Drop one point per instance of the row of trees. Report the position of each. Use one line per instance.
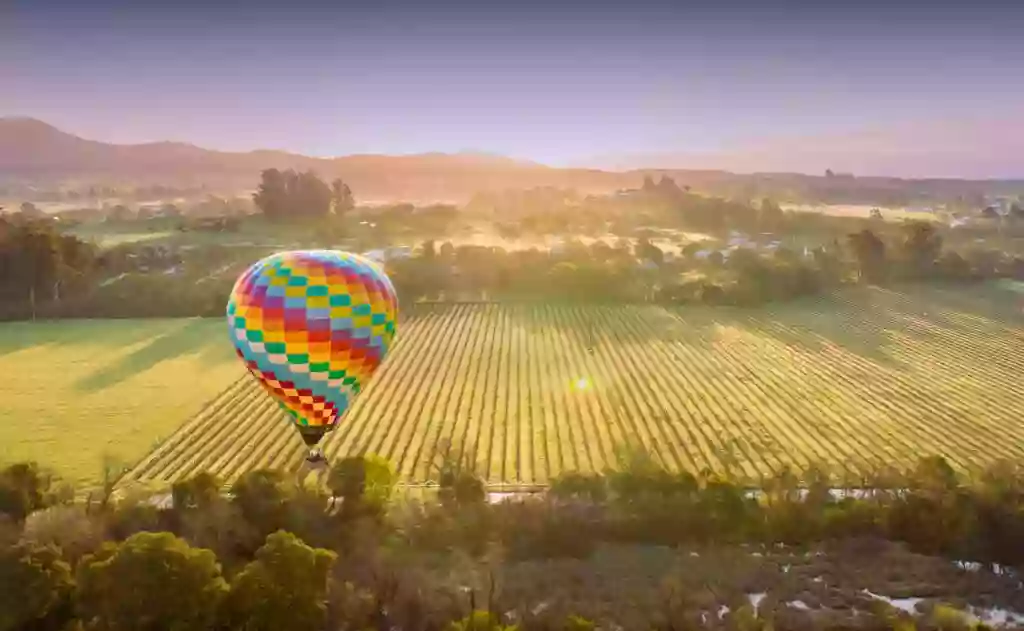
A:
(209, 561)
(642, 272)
(617, 273)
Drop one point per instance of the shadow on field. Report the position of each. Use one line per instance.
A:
(180, 341)
(852, 326)
(583, 326)
(16, 336)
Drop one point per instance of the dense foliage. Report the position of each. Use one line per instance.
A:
(284, 195)
(277, 555)
(672, 246)
(643, 272)
(40, 265)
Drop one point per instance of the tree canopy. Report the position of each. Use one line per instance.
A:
(285, 587)
(150, 582)
(292, 194)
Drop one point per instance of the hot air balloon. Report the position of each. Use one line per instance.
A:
(312, 327)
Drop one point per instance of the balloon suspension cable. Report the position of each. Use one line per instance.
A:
(314, 456)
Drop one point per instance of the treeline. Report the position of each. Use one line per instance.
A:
(49, 274)
(276, 555)
(40, 265)
(699, 273)
(46, 274)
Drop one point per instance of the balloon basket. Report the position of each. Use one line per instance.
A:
(314, 462)
(315, 455)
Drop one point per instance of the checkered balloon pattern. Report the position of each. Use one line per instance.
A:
(312, 327)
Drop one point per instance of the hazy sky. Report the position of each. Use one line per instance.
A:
(556, 82)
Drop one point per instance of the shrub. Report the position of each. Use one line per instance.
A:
(480, 621)
(24, 488)
(70, 528)
(534, 529)
(580, 486)
(35, 583)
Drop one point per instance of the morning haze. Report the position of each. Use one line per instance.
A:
(593, 85)
(455, 317)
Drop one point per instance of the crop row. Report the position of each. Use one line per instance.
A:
(872, 379)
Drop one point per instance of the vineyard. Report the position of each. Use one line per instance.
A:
(871, 379)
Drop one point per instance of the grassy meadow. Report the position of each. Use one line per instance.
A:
(73, 392)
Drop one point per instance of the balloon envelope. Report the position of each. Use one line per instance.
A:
(312, 327)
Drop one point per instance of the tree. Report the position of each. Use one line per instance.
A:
(271, 196)
(24, 488)
(285, 587)
(921, 246)
(262, 496)
(30, 212)
(36, 582)
(668, 187)
(36, 261)
(341, 197)
(770, 213)
(311, 196)
(953, 266)
(287, 193)
(869, 251)
(199, 491)
(645, 250)
(120, 212)
(362, 479)
(71, 528)
(149, 582)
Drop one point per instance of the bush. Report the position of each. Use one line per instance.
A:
(36, 583)
(24, 488)
(538, 530)
(70, 528)
(461, 489)
(480, 621)
(365, 482)
(135, 515)
(579, 486)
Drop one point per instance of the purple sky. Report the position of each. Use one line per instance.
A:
(548, 81)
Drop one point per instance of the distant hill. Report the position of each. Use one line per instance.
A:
(31, 148)
(978, 148)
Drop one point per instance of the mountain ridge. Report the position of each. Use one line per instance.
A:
(33, 150)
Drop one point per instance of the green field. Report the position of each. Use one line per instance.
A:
(868, 378)
(74, 392)
(860, 381)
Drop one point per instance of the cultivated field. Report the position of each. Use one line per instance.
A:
(869, 379)
(74, 392)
